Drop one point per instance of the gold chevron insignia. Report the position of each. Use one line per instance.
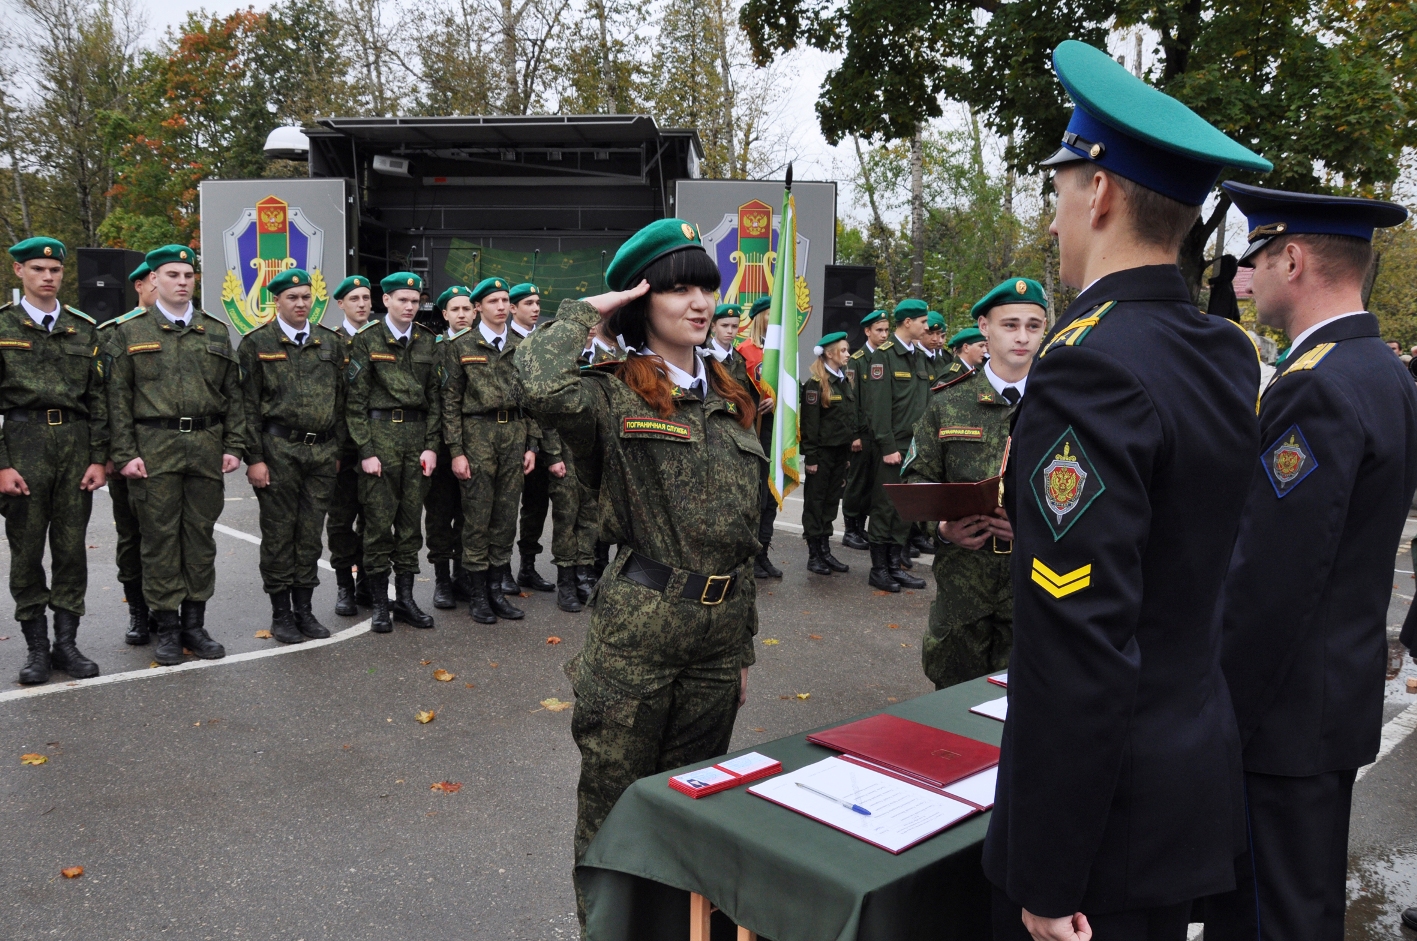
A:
(1060, 586)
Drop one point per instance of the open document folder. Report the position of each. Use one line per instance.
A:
(947, 502)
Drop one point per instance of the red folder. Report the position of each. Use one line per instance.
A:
(933, 755)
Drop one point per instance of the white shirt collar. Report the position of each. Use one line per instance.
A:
(927, 351)
(350, 328)
(999, 384)
(834, 371)
(518, 327)
(489, 335)
(698, 382)
(38, 315)
(389, 322)
(185, 315)
(869, 347)
(291, 331)
(719, 353)
(908, 347)
(1322, 323)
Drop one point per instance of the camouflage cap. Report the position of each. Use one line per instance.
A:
(40, 246)
(287, 279)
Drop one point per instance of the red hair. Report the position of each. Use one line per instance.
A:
(650, 381)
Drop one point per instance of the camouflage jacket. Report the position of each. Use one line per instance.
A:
(60, 368)
(894, 389)
(300, 387)
(477, 378)
(840, 422)
(348, 452)
(962, 434)
(161, 372)
(383, 373)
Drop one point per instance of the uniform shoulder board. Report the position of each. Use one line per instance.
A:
(1310, 359)
(960, 374)
(80, 314)
(859, 353)
(135, 312)
(373, 321)
(607, 368)
(6, 306)
(459, 333)
(213, 317)
(324, 326)
(886, 345)
(1074, 333)
(439, 338)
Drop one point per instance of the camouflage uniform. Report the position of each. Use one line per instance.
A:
(56, 425)
(657, 681)
(392, 414)
(344, 525)
(894, 391)
(960, 438)
(128, 552)
(295, 425)
(558, 495)
(442, 506)
(826, 436)
(176, 403)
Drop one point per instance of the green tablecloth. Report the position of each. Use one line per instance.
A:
(780, 874)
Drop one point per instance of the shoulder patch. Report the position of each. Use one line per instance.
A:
(383, 358)
(459, 333)
(1060, 585)
(324, 326)
(1065, 483)
(1288, 461)
(152, 347)
(961, 433)
(878, 371)
(1310, 359)
(135, 312)
(373, 322)
(1074, 333)
(15, 345)
(810, 397)
(80, 314)
(961, 374)
(655, 426)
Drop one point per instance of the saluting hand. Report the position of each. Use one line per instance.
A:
(1075, 928)
(611, 301)
(96, 476)
(12, 484)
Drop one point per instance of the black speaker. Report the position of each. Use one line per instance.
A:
(850, 295)
(104, 291)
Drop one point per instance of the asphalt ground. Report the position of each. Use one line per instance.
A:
(290, 796)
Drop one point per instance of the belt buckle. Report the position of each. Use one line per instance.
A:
(504, 415)
(997, 542)
(184, 425)
(310, 437)
(724, 580)
(396, 416)
(55, 416)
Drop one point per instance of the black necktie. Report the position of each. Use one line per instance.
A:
(300, 338)
(47, 322)
(497, 344)
(179, 324)
(403, 341)
(1011, 394)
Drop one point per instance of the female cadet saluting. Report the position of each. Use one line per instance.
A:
(832, 430)
(665, 664)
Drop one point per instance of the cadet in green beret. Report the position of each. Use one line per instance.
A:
(969, 348)
(490, 438)
(355, 299)
(833, 432)
(442, 507)
(937, 361)
(395, 423)
(178, 425)
(751, 350)
(53, 446)
(856, 502)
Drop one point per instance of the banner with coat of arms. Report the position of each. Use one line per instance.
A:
(266, 239)
(745, 245)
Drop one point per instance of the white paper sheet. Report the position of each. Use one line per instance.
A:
(994, 708)
(1001, 678)
(977, 788)
(901, 814)
(747, 764)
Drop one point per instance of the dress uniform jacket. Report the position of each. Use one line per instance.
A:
(895, 386)
(1120, 781)
(1305, 642)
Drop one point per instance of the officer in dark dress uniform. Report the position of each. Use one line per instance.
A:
(1119, 792)
(1306, 599)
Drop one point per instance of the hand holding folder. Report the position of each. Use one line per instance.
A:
(947, 502)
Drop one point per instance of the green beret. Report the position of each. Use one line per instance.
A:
(401, 281)
(909, 309)
(727, 310)
(760, 305)
(1012, 291)
(829, 339)
(457, 290)
(287, 279)
(38, 247)
(142, 271)
(521, 292)
(489, 286)
(648, 245)
(170, 255)
(936, 320)
(349, 284)
(967, 335)
(872, 317)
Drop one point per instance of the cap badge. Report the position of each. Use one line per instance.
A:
(688, 230)
(1021, 286)
(295, 279)
(48, 251)
(182, 255)
(1096, 151)
(410, 282)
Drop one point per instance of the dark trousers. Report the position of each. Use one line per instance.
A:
(1166, 923)
(823, 490)
(1291, 884)
(856, 501)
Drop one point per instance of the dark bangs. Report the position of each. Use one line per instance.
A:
(691, 267)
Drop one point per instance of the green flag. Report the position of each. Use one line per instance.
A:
(780, 356)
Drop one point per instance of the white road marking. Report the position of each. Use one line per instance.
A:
(1397, 729)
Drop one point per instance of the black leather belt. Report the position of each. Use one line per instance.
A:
(398, 415)
(500, 415)
(295, 435)
(705, 589)
(49, 416)
(183, 425)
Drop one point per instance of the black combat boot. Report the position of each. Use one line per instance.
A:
(364, 592)
(138, 634)
(922, 544)
(404, 608)
(855, 535)
(585, 582)
(66, 655)
(567, 592)
(37, 667)
(880, 577)
(908, 552)
(283, 626)
(824, 548)
(477, 607)
(345, 605)
(509, 584)
(305, 619)
(497, 597)
(194, 632)
(167, 625)
(462, 583)
(815, 565)
(443, 585)
(528, 577)
(762, 565)
(897, 560)
(380, 623)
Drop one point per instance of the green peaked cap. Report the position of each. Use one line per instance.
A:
(1012, 291)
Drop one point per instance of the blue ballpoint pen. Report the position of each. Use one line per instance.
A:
(845, 803)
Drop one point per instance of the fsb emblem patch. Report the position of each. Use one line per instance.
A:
(878, 371)
(1288, 461)
(1065, 483)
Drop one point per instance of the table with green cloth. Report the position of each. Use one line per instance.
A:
(783, 875)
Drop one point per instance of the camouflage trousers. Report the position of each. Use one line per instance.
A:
(52, 460)
(823, 490)
(125, 521)
(972, 618)
(856, 501)
(293, 508)
(886, 526)
(177, 514)
(392, 502)
(442, 513)
(345, 524)
(490, 496)
(562, 497)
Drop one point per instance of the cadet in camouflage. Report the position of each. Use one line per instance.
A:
(442, 505)
(344, 524)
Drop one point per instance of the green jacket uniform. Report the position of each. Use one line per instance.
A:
(177, 404)
(657, 681)
(295, 408)
(393, 414)
(856, 502)
(894, 388)
(961, 437)
(345, 538)
(56, 425)
(128, 550)
(826, 436)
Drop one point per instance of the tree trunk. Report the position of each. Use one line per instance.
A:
(1010, 223)
(917, 215)
(512, 105)
(878, 225)
(607, 80)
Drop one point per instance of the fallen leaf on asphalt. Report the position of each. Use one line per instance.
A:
(804, 695)
(196, 723)
(880, 594)
(892, 699)
(33, 758)
(425, 716)
(553, 641)
(770, 642)
(492, 663)
(814, 636)
(263, 634)
(443, 676)
(905, 645)
(425, 662)
(555, 705)
(759, 730)
(73, 872)
(470, 686)
(894, 627)
(784, 697)
(447, 787)
(93, 547)
(4, 638)
(153, 664)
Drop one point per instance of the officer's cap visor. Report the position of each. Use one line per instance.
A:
(1063, 156)
(1252, 251)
